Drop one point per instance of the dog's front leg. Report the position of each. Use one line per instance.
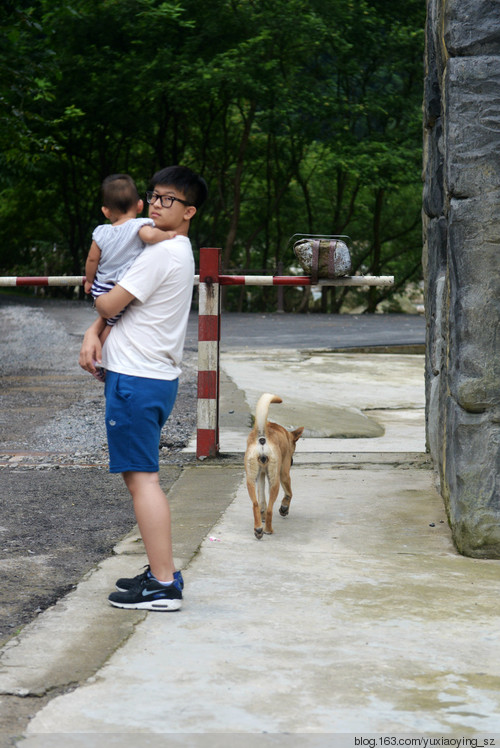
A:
(257, 518)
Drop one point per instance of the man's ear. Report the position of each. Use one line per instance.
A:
(189, 212)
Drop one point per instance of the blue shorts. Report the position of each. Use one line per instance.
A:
(136, 410)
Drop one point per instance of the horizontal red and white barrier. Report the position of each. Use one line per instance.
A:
(223, 280)
(305, 280)
(43, 280)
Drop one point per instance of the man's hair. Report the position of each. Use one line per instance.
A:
(119, 193)
(193, 187)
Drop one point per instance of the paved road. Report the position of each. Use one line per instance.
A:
(270, 330)
(321, 330)
(357, 617)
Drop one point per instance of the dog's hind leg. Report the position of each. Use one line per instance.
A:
(257, 519)
(285, 505)
(286, 466)
(274, 488)
(287, 488)
(261, 493)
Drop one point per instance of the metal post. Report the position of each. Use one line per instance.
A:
(207, 435)
(281, 300)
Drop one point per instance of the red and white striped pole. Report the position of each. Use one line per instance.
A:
(207, 435)
(43, 280)
(305, 280)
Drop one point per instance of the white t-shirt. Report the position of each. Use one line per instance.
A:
(119, 246)
(148, 340)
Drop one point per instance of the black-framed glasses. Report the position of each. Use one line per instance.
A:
(166, 200)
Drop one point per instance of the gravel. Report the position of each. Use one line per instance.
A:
(49, 405)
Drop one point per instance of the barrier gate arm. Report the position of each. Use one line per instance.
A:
(42, 280)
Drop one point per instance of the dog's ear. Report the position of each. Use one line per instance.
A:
(297, 433)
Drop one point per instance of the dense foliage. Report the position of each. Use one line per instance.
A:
(302, 115)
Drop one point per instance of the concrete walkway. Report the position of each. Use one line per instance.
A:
(356, 617)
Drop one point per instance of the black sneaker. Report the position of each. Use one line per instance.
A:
(149, 595)
(129, 583)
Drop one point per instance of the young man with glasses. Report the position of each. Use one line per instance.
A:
(142, 357)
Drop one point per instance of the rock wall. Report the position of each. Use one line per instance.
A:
(461, 210)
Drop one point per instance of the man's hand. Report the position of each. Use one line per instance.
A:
(91, 350)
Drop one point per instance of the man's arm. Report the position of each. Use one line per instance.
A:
(91, 349)
(111, 303)
(152, 235)
(93, 258)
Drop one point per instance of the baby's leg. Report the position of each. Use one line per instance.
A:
(100, 372)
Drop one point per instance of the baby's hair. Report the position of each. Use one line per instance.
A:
(191, 185)
(119, 193)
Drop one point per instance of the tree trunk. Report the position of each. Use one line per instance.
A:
(235, 217)
(373, 298)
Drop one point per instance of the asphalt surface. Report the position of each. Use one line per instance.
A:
(321, 331)
(318, 331)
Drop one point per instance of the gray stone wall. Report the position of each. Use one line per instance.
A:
(461, 217)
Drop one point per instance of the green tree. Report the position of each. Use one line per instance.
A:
(302, 116)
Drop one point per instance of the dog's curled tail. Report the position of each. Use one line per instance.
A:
(262, 409)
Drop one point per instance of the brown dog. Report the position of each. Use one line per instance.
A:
(269, 453)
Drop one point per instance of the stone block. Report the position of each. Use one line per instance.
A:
(433, 192)
(435, 252)
(472, 126)
(474, 261)
(436, 390)
(432, 85)
(472, 27)
(436, 54)
(473, 466)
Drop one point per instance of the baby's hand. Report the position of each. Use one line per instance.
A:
(87, 287)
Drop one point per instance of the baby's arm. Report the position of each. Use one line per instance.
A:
(152, 235)
(93, 258)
